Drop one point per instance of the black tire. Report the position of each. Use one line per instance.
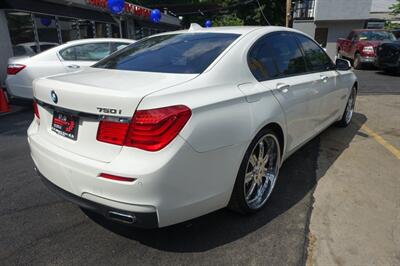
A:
(357, 62)
(238, 201)
(345, 121)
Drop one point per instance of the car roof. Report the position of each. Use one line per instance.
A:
(34, 43)
(241, 30)
(359, 30)
(93, 40)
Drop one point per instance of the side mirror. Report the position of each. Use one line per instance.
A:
(342, 64)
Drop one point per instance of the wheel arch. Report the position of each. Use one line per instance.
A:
(279, 133)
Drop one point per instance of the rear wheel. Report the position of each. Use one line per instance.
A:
(257, 174)
(348, 112)
(357, 61)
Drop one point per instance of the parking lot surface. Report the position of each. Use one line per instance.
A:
(342, 166)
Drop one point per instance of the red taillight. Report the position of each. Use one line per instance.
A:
(149, 130)
(36, 109)
(117, 178)
(13, 69)
(154, 129)
(112, 132)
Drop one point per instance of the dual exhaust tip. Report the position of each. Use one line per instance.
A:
(121, 217)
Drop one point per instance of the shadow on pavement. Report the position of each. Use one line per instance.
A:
(390, 74)
(17, 121)
(297, 179)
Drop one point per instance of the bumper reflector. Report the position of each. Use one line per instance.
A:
(117, 178)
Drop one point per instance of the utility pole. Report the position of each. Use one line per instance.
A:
(288, 11)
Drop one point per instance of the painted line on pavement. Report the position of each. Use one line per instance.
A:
(381, 140)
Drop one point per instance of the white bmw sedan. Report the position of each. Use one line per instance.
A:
(69, 57)
(181, 124)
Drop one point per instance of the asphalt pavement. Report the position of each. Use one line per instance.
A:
(38, 227)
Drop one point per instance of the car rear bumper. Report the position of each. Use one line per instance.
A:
(137, 219)
(177, 183)
(367, 59)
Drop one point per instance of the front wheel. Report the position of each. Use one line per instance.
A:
(257, 174)
(348, 112)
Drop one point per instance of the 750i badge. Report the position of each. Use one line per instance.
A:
(104, 110)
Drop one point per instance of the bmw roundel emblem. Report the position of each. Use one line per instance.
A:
(54, 96)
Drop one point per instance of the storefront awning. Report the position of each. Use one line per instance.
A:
(56, 10)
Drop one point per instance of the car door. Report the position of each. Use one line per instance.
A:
(84, 55)
(278, 63)
(319, 62)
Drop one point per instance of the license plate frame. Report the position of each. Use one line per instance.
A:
(65, 124)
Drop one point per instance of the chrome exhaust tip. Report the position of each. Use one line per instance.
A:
(122, 217)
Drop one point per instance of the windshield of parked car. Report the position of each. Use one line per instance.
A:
(173, 53)
(376, 36)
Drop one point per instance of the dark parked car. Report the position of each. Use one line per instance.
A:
(396, 33)
(388, 57)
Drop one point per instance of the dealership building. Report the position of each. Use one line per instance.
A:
(328, 20)
(37, 22)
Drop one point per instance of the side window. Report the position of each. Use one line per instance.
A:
(316, 58)
(287, 54)
(115, 46)
(92, 51)
(351, 35)
(261, 62)
(87, 52)
(68, 54)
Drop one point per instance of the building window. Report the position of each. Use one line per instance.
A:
(47, 29)
(69, 29)
(101, 30)
(86, 29)
(22, 36)
(321, 36)
(304, 9)
(114, 31)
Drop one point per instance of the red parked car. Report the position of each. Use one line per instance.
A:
(360, 46)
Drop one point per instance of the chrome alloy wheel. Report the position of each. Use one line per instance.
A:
(350, 106)
(262, 171)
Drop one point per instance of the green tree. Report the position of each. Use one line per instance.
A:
(395, 8)
(229, 12)
(228, 20)
(255, 12)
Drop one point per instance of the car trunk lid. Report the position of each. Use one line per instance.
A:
(92, 95)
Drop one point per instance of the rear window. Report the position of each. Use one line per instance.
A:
(376, 36)
(173, 53)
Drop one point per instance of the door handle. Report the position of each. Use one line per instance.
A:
(283, 87)
(324, 78)
(73, 66)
